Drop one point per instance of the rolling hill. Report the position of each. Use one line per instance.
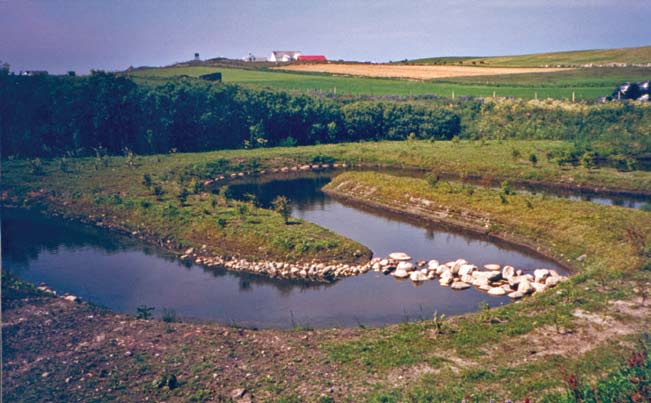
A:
(599, 57)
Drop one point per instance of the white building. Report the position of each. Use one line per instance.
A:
(284, 56)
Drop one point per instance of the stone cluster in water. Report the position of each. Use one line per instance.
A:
(460, 275)
(307, 271)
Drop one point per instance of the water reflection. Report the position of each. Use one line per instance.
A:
(123, 273)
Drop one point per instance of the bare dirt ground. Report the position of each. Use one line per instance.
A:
(412, 72)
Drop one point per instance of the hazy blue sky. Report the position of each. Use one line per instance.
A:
(60, 35)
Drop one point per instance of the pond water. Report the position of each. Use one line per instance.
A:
(122, 273)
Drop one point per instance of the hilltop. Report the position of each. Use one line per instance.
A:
(575, 58)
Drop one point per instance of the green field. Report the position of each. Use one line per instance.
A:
(641, 55)
(585, 83)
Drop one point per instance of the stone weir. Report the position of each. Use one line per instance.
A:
(313, 271)
(459, 274)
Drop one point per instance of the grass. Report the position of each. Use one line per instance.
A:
(486, 343)
(639, 55)
(496, 353)
(116, 195)
(585, 83)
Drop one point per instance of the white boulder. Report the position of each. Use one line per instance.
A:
(417, 276)
(399, 273)
(467, 269)
(459, 285)
(497, 291)
(492, 267)
(406, 266)
(399, 256)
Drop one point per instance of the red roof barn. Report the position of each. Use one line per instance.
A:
(312, 58)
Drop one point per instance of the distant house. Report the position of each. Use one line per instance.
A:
(284, 56)
(312, 58)
(34, 73)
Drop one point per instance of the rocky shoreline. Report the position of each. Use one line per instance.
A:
(459, 274)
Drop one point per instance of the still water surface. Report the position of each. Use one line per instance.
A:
(122, 274)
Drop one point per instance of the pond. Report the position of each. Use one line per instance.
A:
(122, 273)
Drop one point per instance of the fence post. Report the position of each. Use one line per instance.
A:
(573, 97)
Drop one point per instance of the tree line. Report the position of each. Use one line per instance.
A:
(54, 115)
(47, 116)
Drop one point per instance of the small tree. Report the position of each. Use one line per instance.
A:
(533, 159)
(146, 180)
(282, 207)
(183, 196)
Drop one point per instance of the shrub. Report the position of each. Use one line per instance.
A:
(533, 159)
(506, 188)
(515, 153)
(433, 179)
(221, 222)
(158, 191)
(36, 166)
(282, 207)
(169, 315)
(144, 312)
(146, 180)
(183, 196)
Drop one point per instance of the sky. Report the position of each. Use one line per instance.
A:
(80, 35)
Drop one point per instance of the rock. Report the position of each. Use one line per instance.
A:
(377, 267)
(467, 278)
(497, 291)
(581, 258)
(459, 285)
(457, 265)
(442, 269)
(508, 272)
(540, 275)
(384, 262)
(492, 267)
(405, 266)
(433, 264)
(400, 256)
(238, 393)
(189, 251)
(537, 287)
(525, 286)
(479, 281)
(400, 273)
(446, 279)
(467, 269)
(417, 276)
(552, 281)
(72, 298)
(488, 275)
(516, 295)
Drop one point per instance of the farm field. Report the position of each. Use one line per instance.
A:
(411, 72)
(586, 83)
(639, 55)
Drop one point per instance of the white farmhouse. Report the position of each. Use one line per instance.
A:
(284, 56)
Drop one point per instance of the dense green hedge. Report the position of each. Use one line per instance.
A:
(47, 115)
(53, 115)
